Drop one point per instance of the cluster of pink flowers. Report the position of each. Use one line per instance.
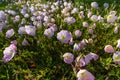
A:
(43, 16)
(80, 62)
(116, 55)
(9, 52)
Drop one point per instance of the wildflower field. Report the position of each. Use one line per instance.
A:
(60, 40)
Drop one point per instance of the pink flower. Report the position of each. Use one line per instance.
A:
(25, 42)
(30, 30)
(90, 31)
(88, 58)
(91, 56)
(83, 43)
(9, 52)
(49, 32)
(10, 33)
(80, 61)
(68, 58)
(83, 74)
(109, 49)
(69, 20)
(94, 4)
(78, 33)
(64, 36)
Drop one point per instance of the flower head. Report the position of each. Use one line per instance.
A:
(80, 61)
(2, 15)
(94, 4)
(88, 58)
(69, 20)
(10, 33)
(21, 30)
(75, 10)
(25, 42)
(49, 32)
(94, 18)
(109, 49)
(111, 18)
(94, 56)
(83, 74)
(83, 43)
(100, 18)
(106, 5)
(2, 25)
(64, 36)
(116, 57)
(30, 30)
(9, 53)
(68, 58)
(81, 15)
(85, 24)
(78, 33)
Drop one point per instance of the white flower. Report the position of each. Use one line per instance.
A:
(111, 18)
(10, 33)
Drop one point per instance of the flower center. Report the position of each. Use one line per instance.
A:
(63, 37)
(116, 58)
(110, 16)
(67, 57)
